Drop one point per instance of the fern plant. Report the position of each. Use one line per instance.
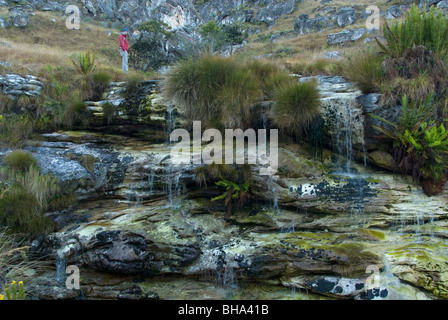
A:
(233, 192)
(427, 28)
(420, 145)
(85, 63)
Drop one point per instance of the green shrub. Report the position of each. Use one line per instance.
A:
(213, 172)
(234, 192)
(20, 160)
(427, 28)
(364, 69)
(420, 145)
(295, 106)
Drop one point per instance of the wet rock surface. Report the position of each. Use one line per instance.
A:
(319, 229)
(155, 226)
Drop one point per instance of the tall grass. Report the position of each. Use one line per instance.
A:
(25, 195)
(270, 74)
(239, 94)
(15, 129)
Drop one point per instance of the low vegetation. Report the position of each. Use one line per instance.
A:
(26, 194)
(223, 93)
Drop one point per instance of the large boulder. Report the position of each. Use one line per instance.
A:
(304, 24)
(274, 10)
(345, 16)
(19, 17)
(345, 36)
(393, 12)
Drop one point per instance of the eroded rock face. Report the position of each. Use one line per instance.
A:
(321, 225)
(153, 221)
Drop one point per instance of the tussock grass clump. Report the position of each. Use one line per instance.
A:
(318, 67)
(270, 74)
(365, 70)
(19, 160)
(15, 129)
(197, 85)
(221, 92)
(240, 92)
(18, 211)
(24, 199)
(296, 104)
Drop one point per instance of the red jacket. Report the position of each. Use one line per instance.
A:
(124, 43)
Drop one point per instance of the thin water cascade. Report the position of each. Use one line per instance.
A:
(151, 177)
(274, 202)
(173, 185)
(170, 122)
(61, 265)
(345, 124)
(344, 136)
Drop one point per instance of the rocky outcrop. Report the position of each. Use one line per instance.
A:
(274, 10)
(345, 36)
(345, 16)
(14, 86)
(155, 224)
(304, 24)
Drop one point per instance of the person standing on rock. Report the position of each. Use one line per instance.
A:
(124, 48)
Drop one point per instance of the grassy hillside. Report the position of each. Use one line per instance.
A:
(47, 41)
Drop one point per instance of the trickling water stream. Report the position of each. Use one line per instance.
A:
(183, 238)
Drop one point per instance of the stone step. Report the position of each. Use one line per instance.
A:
(95, 109)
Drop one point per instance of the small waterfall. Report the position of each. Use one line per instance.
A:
(61, 265)
(265, 121)
(173, 186)
(289, 229)
(151, 177)
(344, 122)
(272, 188)
(344, 136)
(415, 221)
(170, 122)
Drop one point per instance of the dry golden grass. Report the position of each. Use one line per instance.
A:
(308, 49)
(45, 42)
